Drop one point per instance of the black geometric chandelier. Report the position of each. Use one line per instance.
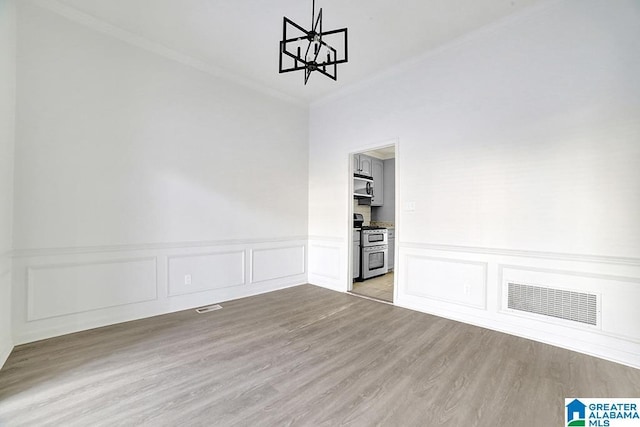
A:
(313, 50)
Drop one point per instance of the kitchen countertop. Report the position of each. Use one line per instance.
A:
(385, 224)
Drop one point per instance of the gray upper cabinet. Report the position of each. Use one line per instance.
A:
(362, 164)
(377, 172)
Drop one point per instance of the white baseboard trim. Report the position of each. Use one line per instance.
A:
(327, 263)
(327, 283)
(425, 284)
(86, 321)
(65, 291)
(5, 352)
(611, 349)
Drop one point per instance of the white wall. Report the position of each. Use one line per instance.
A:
(519, 146)
(7, 130)
(133, 170)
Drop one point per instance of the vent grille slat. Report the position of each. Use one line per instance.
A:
(569, 305)
(208, 308)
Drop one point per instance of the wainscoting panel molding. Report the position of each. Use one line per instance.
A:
(327, 263)
(470, 285)
(277, 263)
(57, 292)
(197, 273)
(447, 279)
(618, 297)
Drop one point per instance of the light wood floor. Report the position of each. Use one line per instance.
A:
(380, 287)
(300, 356)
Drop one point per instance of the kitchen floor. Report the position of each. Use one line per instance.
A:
(380, 287)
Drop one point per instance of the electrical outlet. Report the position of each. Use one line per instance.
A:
(187, 279)
(467, 289)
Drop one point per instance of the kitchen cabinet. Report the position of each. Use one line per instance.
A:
(391, 243)
(377, 172)
(362, 164)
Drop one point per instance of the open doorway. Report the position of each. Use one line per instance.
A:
(373, 213)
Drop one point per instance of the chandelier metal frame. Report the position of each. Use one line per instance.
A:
(319, 55)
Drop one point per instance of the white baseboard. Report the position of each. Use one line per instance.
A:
(592, 344)
(5, 352)
(470, 286)
(327, 283)
(61, 292)
(327, 263)
(91, 320)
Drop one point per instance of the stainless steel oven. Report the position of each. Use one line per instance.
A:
(374, 252)
(374, 236)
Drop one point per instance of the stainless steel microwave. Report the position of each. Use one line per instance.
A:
(362, 188)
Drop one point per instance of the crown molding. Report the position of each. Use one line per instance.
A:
(397, 70)
(144, 43)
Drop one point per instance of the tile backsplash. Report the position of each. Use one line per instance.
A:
(365, 210)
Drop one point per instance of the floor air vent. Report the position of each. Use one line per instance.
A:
(208, 308)
(575, 306)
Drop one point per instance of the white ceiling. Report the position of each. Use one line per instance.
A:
(241, 36)
(383, 153)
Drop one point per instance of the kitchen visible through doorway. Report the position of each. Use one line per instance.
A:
(380, 287)
(373, 221)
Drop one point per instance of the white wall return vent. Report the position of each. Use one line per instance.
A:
(578, 307)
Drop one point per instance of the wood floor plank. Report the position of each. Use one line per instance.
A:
(299, 356)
